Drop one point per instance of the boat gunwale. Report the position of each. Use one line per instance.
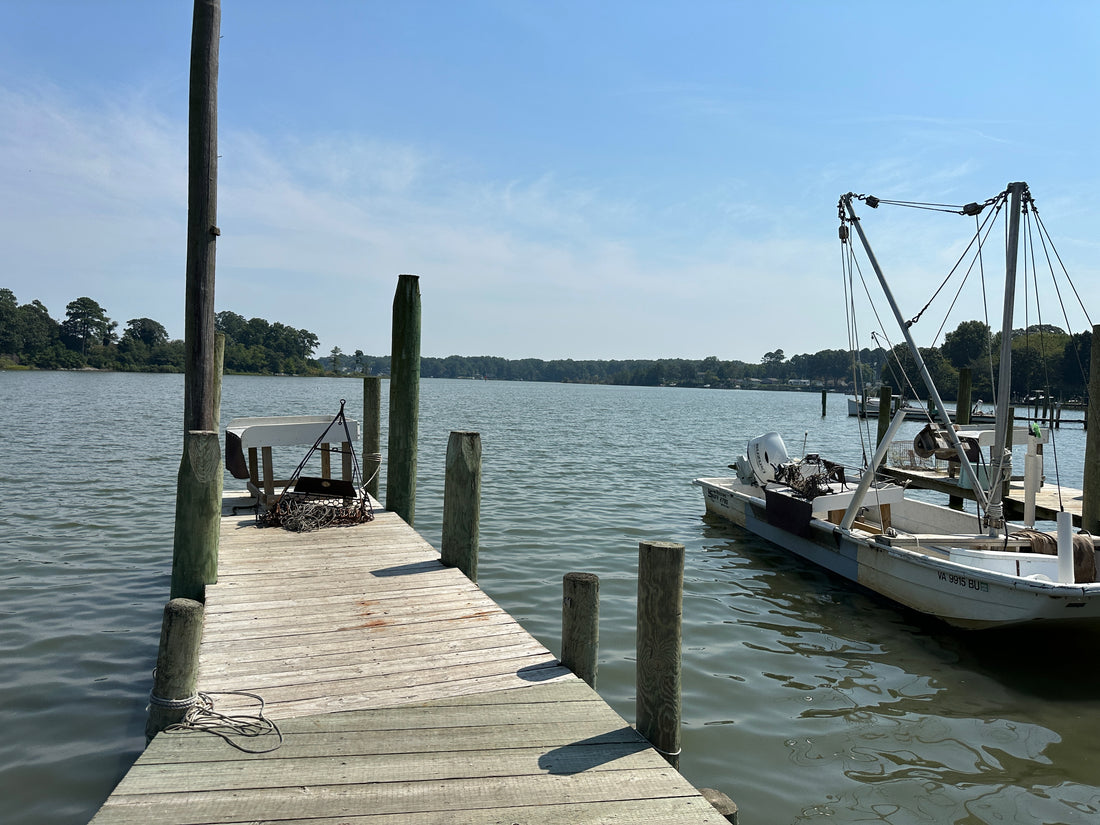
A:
(922, 555)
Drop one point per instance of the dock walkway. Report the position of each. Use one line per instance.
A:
(1049, 499)
(403, 694)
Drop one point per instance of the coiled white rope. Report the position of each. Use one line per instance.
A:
(202, 718)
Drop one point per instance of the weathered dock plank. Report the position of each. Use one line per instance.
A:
(552, 754)
(403, 694)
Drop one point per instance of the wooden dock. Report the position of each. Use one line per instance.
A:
(403, 694)
(1049, 499)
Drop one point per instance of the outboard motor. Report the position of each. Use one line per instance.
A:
(766, 453)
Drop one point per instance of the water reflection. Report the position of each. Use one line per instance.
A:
(897, 717)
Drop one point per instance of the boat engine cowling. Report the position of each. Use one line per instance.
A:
(765, 453)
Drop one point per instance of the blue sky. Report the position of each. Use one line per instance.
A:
(568, 179)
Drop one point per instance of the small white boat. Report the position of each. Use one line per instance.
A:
(869, 407)
(972, 570)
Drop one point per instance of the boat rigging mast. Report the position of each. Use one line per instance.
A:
(990, 501)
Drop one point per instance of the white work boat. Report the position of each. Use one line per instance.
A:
(972, 570)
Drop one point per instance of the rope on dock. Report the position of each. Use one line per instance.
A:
(174, 704)
(202, 718)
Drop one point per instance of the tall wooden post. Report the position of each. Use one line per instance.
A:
(202, 219)
(962, 405)
(1090, 503)
(372, 431)
(404, 399)
(824, 402)
(198, 516)
(660, 612)
(580, 624)
(885, 401)
(462, 503)
(198, 496)
(176, 675)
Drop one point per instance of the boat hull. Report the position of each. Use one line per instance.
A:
(930, 582)
(869, 409)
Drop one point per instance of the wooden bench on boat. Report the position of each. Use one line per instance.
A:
(257, 437)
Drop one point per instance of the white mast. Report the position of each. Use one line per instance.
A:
(1001, 460)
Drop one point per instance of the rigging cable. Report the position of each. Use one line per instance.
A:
(847, 266)
(1045, 238)
(1029, 247)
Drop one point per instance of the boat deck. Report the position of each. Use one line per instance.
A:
(403, 694)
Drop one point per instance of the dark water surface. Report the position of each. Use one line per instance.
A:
(805, 699)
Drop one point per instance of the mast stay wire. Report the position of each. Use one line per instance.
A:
(849, 265)
(1045, 239)
(1029, 247)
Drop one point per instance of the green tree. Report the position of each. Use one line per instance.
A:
(902, 376)
(146, 330)
(86, 323)
(1076, 360)
(968, 342)
(11, 341)
(308, 342)
(40, 333)
(231, 325)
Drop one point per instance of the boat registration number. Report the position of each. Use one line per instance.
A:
(963, 581)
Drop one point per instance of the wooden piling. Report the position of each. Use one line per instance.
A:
(198, 516)
(824, 402)
(1090, 502)
(198, 494)
(177, 671)
(219, 369)
(462, 503)
(404, 399)
(721, 803)
(885, 401)
(372, 431)
(660, 609)
(962, 403)
(202, 219)
(580, 624)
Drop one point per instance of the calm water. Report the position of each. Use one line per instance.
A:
(805, 699)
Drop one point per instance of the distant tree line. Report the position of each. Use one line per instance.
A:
(87, 338)
(1044, 357)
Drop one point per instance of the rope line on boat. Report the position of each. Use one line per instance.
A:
(202, 718)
